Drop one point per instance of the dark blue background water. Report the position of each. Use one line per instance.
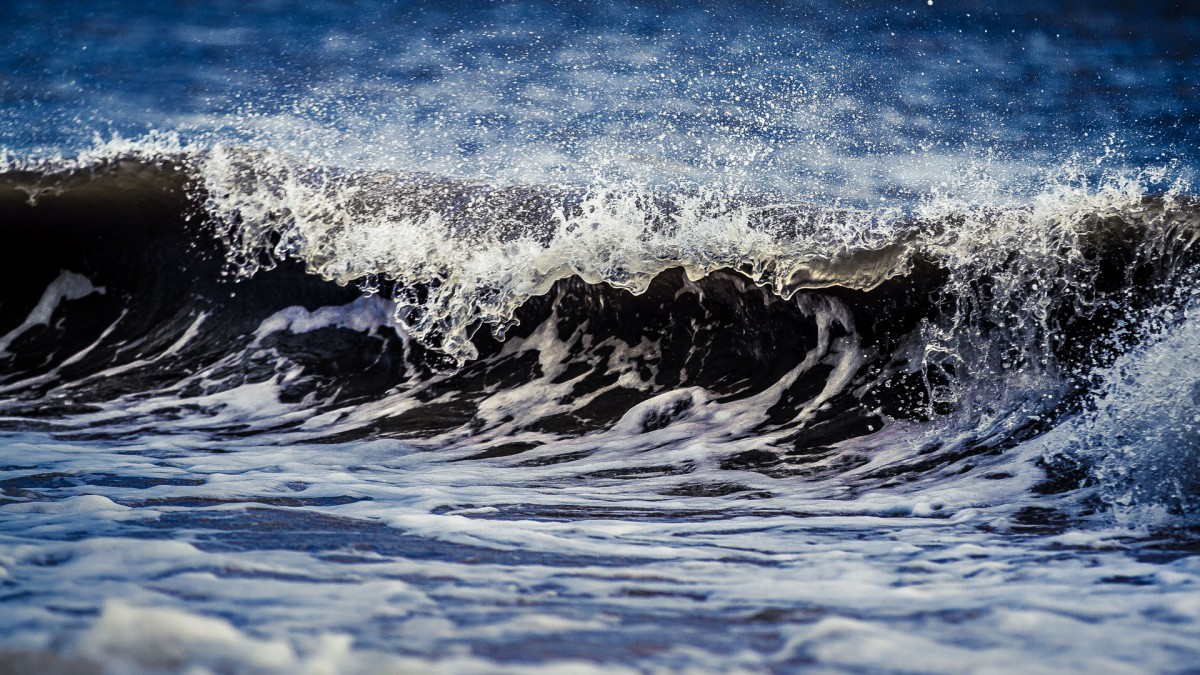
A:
(806, 97)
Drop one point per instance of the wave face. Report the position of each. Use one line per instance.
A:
(245, 264)
(646, 339)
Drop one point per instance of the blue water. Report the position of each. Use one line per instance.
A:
(495, 337)
(819, 96)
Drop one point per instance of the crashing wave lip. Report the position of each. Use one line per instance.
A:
(456, 255)
(970, 305)
(459, 255)
(463, 254)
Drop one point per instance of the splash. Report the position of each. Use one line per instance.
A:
(1139, 439)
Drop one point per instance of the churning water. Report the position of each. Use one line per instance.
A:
(487, 337)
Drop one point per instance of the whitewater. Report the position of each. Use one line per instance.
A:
(477, 338)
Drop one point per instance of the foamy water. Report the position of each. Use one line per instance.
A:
(569, 339)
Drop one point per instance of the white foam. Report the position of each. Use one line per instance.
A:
(68, 286)
(166, 639)
(1139, 436)
(364, 315)
(883, 585)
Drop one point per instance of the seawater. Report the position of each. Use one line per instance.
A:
(450, 337)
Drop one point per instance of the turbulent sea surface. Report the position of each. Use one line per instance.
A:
(490, 337)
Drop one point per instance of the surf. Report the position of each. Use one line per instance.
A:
(405, 305)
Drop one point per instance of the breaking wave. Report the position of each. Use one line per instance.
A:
(193, 286)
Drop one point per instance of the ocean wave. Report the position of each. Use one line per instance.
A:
(233, 281)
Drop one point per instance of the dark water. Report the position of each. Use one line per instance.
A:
(477, 338)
